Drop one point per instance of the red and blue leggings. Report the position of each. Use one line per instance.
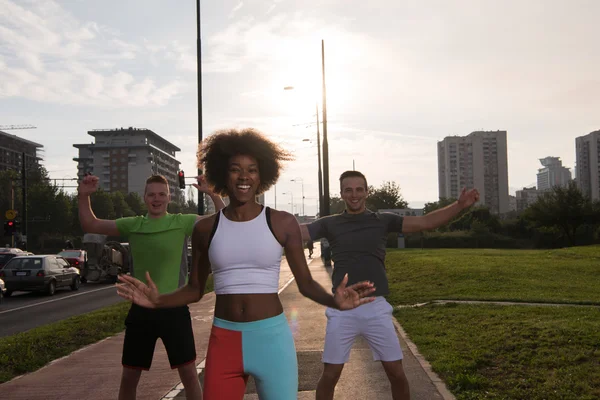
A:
(264, 349)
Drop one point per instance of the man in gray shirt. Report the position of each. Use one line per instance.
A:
(357, 239)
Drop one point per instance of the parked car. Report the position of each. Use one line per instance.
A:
(77, 258)
(2, 290)
(44, 273)
(8, 253)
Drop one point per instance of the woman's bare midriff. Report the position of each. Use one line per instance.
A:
(247, 307)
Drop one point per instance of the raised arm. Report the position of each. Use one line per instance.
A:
(203, 187)
(441, 216)
(288, 232)
(87, 219)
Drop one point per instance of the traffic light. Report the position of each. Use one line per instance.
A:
(181, 177)
(9, 228)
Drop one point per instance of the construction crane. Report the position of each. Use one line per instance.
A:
(12, 127)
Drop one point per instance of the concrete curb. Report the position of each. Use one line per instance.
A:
(496, 303)
(435, 379)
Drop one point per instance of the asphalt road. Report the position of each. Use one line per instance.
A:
(23, 311)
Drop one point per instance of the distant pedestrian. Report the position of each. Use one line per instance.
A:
(310, 246)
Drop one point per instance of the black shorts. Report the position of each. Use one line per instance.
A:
(144, 326)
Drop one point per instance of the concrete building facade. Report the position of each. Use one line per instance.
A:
(587, 155)
(124, 158)
(478, 160)
(526, 197)
(12, 148)
(552, 174)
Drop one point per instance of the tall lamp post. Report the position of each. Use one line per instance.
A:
(199, 78)
(325, 202)
(302, 182)
(324, 208)
(292, 199)
(320, 172)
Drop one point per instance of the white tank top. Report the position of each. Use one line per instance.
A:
(245, 257)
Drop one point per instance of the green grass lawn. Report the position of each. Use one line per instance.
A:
(563, 275)
(504, 352)
(510, 352)
(31, 350)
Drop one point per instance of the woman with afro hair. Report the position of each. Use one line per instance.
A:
(242, 244)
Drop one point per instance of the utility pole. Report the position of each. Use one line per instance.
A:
(199, 78)
(320, 171)
(326, 208)
(24, 191)
(12, 207)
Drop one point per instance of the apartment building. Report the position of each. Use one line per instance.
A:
(478, 160)
(526, 197)
(587, 154)
(124, 158)
(552, 174)
(12, 149)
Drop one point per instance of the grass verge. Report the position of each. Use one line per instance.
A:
(29, 351)
(510, 352)
(563, 275)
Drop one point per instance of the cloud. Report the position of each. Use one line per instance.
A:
(48, 55)
(236, 8)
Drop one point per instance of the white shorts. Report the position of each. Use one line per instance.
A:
(373, 321)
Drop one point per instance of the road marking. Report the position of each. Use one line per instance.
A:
(59, 299)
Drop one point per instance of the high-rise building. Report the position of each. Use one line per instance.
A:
(11, 152)
(553, 174)
(478, 160)
(124, 158)
(588, 166)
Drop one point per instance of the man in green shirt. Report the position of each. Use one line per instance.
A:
(158, 245)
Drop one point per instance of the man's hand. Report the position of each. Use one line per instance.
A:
(468, 198)
(88, 185)
(202, 185)
(348, 297)
(137, 291)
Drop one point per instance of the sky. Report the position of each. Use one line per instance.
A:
(400, 75)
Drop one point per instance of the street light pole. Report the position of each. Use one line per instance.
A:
(199, 78)
(302, 182)
(319, 156)
(292, 198)
(325, 202)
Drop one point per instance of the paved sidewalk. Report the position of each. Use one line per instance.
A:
(93, 373)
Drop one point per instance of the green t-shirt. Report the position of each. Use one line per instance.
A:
(159, 246)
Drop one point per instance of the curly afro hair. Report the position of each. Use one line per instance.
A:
(216, 150)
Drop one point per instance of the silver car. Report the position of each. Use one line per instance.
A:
(44, 273)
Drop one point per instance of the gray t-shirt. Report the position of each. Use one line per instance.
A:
(357, 243)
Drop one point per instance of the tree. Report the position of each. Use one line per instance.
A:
(136, 204)
(476, 219)
(336, 205)
(120, 206)
(102, 205)
(385, 197)
(565, 209)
